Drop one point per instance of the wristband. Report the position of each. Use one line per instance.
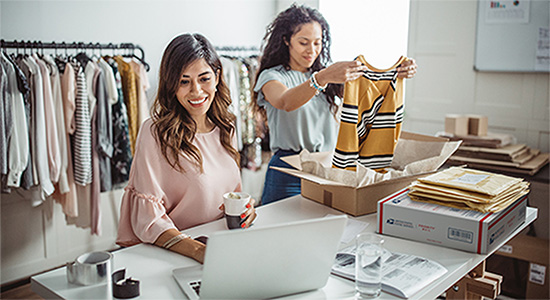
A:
(313, 83)
(174, 240)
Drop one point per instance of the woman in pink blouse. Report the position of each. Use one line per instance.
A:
(186, 157)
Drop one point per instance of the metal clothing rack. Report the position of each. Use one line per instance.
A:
(33, 45)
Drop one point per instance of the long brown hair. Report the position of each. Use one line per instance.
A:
(173, 126)
(276, 52)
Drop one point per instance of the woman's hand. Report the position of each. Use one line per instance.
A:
(199, 251)
(249, 215)
(407, 69)
(340, 72)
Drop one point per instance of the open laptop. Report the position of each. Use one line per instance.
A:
(265, 262)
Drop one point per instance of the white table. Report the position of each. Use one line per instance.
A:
(153, 265)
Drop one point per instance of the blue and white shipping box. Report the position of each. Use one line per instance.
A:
(462, 229)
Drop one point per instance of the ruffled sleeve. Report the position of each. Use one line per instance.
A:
(143, 215)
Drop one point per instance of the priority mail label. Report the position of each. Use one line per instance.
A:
(537, 273)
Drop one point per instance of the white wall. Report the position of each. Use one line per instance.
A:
(442, 39)
(148, 23)
(36, 239)
(376, 29)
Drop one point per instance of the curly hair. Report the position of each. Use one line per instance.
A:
(173, 126)
(275, 50)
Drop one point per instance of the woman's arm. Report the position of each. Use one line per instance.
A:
(289, 99)
(187, 246)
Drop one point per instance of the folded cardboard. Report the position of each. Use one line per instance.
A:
(467, 230)
(351, 200)
(530, 167)
(491, 140)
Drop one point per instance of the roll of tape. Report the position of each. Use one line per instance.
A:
(90, 268)
(124, 288)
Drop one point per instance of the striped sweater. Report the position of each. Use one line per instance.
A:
(371, 119)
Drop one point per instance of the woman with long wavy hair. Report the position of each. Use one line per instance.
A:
(185, 158)
(296, 89)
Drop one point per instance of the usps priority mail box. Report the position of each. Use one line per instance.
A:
(462, 229)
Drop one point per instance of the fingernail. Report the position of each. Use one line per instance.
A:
(242, 216)
(243, 225)
(248, 206)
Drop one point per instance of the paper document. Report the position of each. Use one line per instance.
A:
(402, 274)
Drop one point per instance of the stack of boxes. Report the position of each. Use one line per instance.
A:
(484, 150)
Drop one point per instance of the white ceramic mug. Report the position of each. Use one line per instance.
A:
(235, 205)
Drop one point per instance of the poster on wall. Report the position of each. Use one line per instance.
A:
(542, 62)
(507, 11)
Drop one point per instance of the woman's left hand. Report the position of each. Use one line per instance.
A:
(407, 69)
(249, 215)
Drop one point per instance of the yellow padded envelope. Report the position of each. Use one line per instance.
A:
(472, 180)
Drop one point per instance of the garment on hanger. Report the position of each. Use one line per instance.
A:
(129, 87)
(18, 146)
(240, 66)
(76, 130)
(122, 153)
(371, 119)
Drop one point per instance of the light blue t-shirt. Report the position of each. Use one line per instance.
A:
(312, 126)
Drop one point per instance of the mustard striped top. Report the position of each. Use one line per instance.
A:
(371, 119)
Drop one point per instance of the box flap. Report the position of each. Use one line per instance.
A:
(307, 176)
(325, 158)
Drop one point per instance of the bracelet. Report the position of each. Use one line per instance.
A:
(313, 83)
(174, 240)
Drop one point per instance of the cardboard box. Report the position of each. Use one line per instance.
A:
(351, 200)
(478, 125)
(536, 252)
(467, 230)
(456, 124)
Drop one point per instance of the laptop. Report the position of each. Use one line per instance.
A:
(265, 262)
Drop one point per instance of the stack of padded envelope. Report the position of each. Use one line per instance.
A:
(469, 189)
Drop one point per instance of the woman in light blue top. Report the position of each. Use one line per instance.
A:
(296, 90)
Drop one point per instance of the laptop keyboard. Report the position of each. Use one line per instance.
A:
(196, 285)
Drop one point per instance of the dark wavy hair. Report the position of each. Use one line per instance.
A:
(275, 50)
(173, 126)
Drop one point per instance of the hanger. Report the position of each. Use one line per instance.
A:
(133, 54)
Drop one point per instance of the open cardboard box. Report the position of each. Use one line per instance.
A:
(351, 200)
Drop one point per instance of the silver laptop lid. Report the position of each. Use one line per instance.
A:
(271, 261)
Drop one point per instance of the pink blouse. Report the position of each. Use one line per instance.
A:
(158, 197)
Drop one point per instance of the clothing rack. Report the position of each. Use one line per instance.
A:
(249, 51)
(77, 45)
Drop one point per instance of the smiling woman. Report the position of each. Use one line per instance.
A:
(185, 157)
(196, 92)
